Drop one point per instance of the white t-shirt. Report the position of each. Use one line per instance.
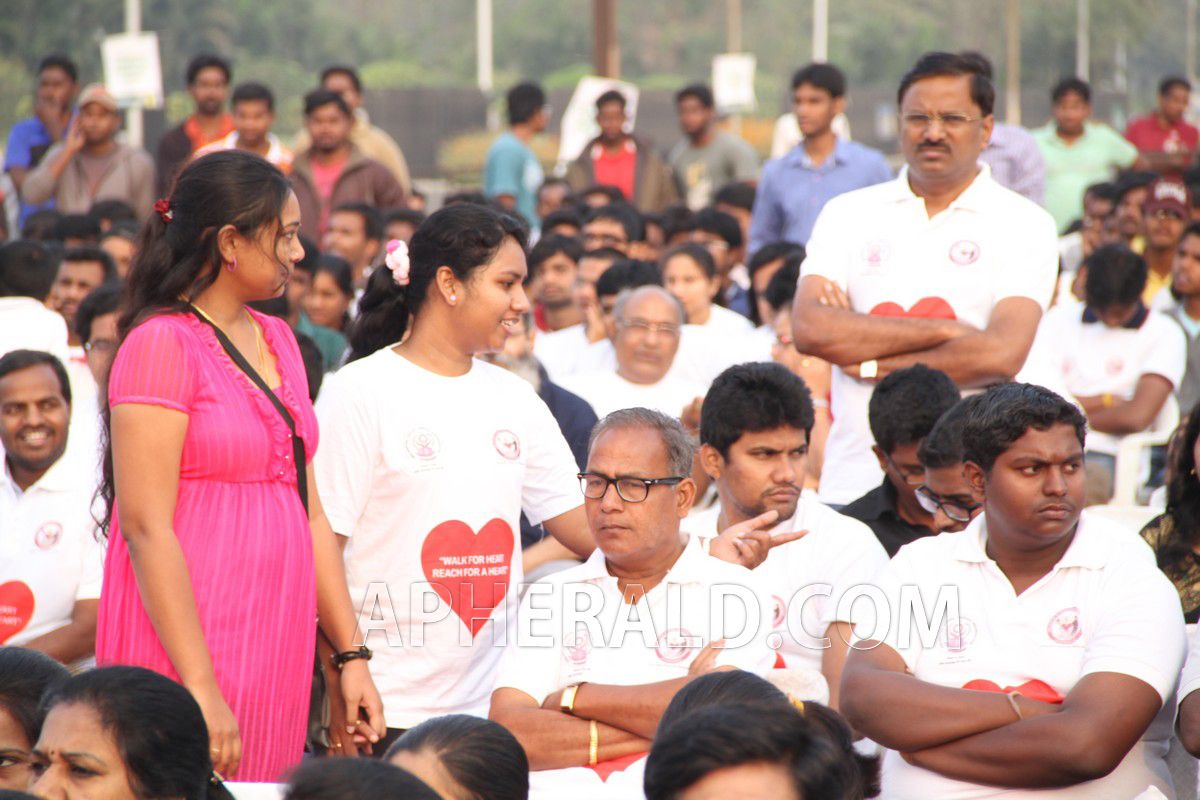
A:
(881, 247)
(614, 642)
(26, 324)
(1104, 607)
(727, 323)
(1094, 359)
(428, 476)
(50, 554)
(560, 351)
(809, 577)
(606, 392)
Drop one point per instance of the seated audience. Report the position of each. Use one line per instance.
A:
(51, 570)
(1057, 666)
(616, 225)
(112, 212)
(76, 230)
(594, 691)
(564, 222)
(763, 264)
(253, 107)
(402, 223)
(120, 242)
(754, 429)
(1118, 359)
(690, 273)
(553, 271)
(96, 327)
(464, 758)
(81, 270)
(355, 233)
(559, 351)
(40, 226)
(124, 732)
(721, 234)
(727, 751)
(25, 676)
(1166, 213)
(737, 200)
(945, 494)
(328, 302)
(648, 322)
(903, 410)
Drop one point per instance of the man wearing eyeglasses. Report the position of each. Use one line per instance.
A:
(942, 266)
(903, 410)
(620, 634)
(648, 322)
(945, 494)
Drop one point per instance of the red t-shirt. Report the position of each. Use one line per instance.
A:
(1148, 135)
(325, 177)
(616, 169)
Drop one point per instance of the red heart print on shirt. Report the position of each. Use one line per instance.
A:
(470, 571)
(605, 769)
(1033, 689)
(16, 609)
(925, 308)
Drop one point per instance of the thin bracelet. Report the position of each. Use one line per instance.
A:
(1012, 701)
(593, 743)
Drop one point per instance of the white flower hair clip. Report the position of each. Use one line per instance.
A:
(397, 261)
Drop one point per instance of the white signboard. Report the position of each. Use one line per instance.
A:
(733, 82)
(579, 119)
(132, 69)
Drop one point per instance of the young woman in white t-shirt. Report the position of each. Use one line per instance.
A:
(429, 456)
(689, 273)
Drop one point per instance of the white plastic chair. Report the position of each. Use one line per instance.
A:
(1133, 452)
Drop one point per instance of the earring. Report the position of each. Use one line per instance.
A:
(453, 298)
(232, 265)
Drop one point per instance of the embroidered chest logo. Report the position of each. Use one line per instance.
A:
(507, 444)
(675, 645)
(577, 648)
(1064, 626)
(964, 252)
(423, 444)
(48, 535)
(959, 634)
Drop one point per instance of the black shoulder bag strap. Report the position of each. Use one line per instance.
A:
(252, 374)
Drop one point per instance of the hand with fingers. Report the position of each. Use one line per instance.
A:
(748, 543)
(362, 703)
(225, 740)
(706, 660)
(834, 296)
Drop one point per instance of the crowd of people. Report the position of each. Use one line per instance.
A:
(675, 476)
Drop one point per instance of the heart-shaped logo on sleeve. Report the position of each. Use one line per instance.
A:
(925, 308)
(1033, 689)
(16, 609)
(470, 571)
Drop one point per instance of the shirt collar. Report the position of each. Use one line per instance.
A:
(881, 501)
(972, 198)
(798, 157)
(1135, 322)
(61, 476)
(598, 149)
(1085, 551)
(684, 570)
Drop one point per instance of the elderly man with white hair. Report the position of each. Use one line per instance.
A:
(648, 322)
(602, 647)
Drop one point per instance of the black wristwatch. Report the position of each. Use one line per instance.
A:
(339, 660)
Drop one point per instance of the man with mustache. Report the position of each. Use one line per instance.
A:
(754, 429)
(50, 554)
(1054, 664)
(942, 266)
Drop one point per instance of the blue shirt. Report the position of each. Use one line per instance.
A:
(28, 142)
(792, 191)
(513, 169)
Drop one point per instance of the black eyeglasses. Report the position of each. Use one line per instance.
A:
(631, 490)
(913, 476)
(932, 503)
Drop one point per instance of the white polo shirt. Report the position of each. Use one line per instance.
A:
(26, 324)
(881, 247)
(1094, 359)
(679, 616)
(560, 351)
(1104, 607)
(808, 578)
(50, 554)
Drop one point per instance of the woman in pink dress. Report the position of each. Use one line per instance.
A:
(215, 575)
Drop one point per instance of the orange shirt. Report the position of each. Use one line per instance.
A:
(616, 169)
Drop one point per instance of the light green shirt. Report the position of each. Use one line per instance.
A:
(1071, 168)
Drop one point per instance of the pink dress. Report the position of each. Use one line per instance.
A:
(242, 528)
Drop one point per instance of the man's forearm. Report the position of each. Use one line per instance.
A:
(636, 709)
(71, 642)
(846, 337)
(554, 740)
(977, 359)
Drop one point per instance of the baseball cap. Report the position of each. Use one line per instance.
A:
(1168, 194)
(96, 93)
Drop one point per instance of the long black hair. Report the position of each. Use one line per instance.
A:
(462, 237)
(1183, 497)
(481, 756)
(157, 726)
(25, 676)
(179, 258)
